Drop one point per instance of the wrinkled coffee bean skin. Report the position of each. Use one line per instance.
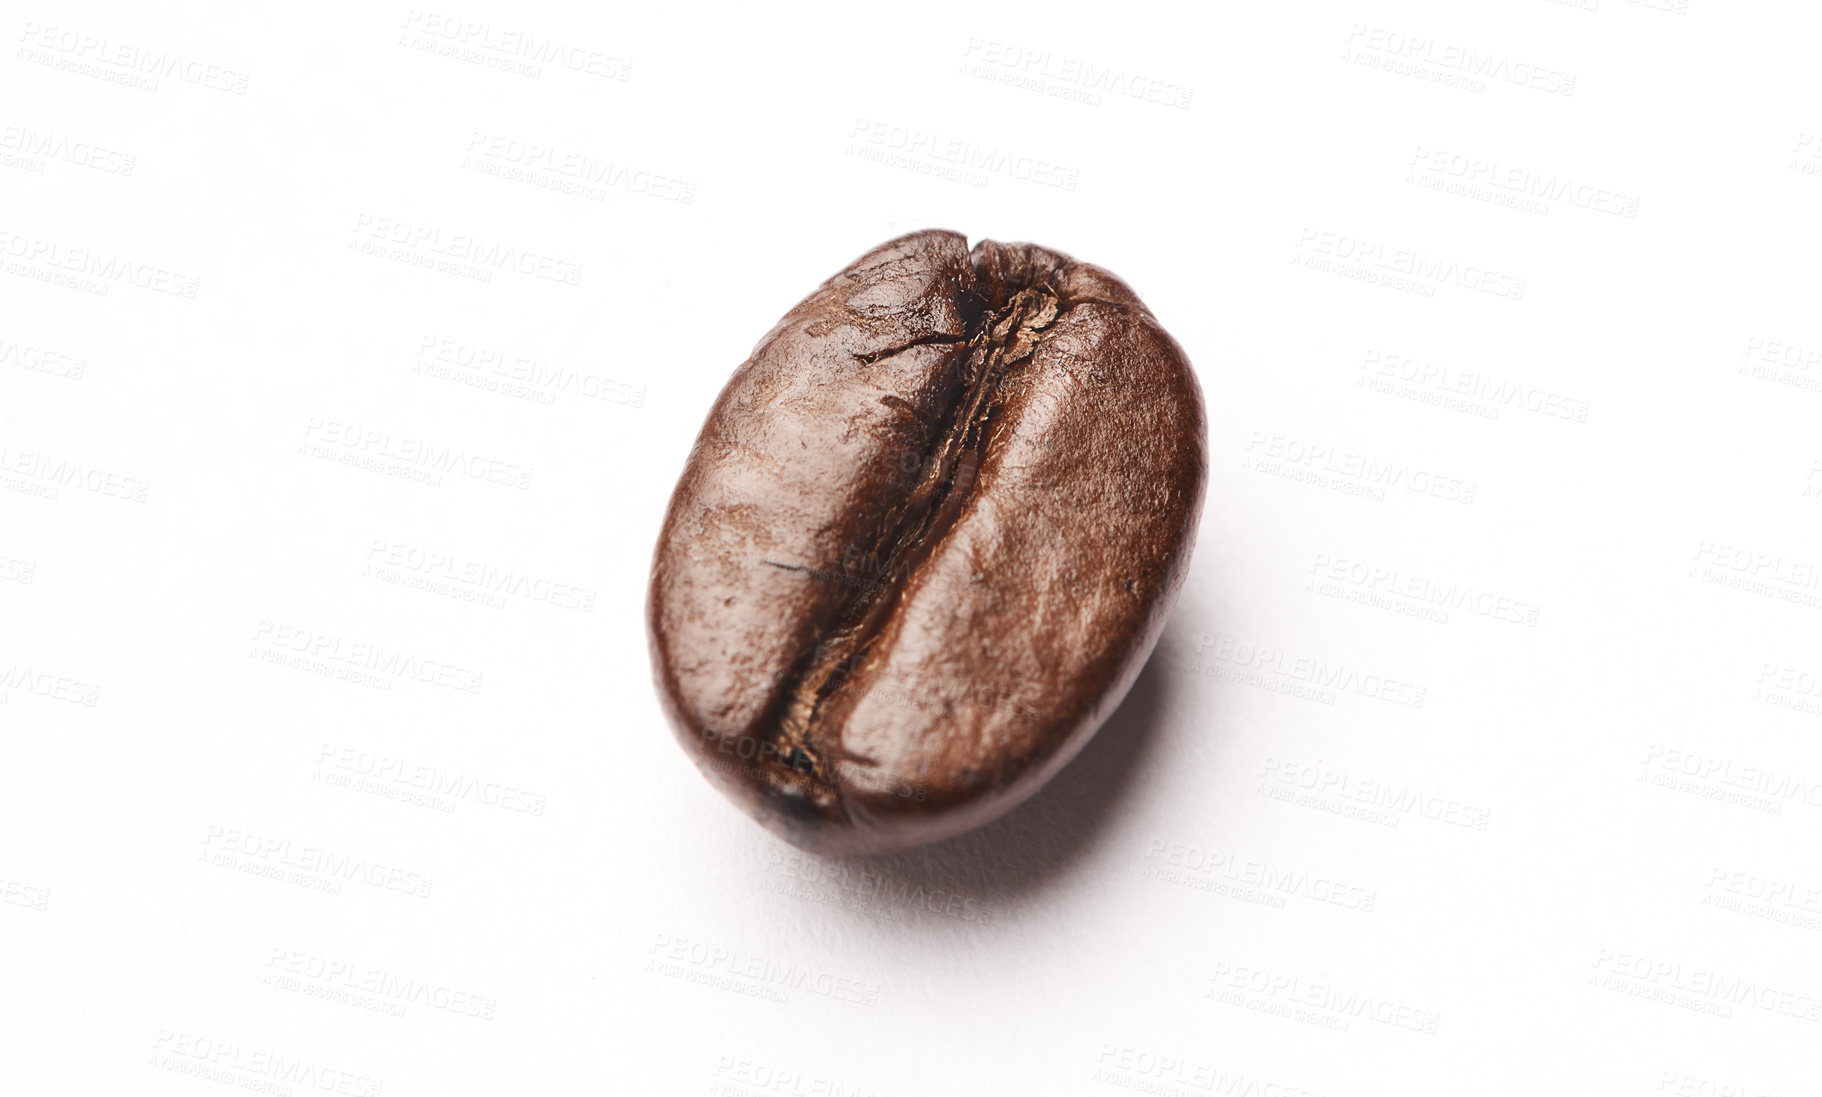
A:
(925, 541)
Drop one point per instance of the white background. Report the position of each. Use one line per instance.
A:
(329, 762)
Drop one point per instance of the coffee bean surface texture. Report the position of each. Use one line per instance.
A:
(925, 541)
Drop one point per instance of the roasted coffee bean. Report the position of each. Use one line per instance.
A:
(925, 541)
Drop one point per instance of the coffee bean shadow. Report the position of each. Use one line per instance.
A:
(1039, 841)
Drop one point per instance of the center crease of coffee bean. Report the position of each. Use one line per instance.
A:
(999, 342)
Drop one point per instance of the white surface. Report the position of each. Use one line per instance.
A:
(205, 887)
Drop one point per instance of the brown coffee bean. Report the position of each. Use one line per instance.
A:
(925, 541)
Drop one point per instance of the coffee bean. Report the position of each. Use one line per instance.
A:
(925, 540)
